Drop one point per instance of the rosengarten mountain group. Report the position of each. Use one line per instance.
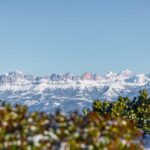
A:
(68, 92)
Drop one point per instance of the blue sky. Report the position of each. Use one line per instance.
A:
(41, 37)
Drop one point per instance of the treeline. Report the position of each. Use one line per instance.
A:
(115, 125)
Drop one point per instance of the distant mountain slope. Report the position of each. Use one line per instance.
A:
(69, 92)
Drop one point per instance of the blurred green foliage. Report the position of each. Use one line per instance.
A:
(110, 126)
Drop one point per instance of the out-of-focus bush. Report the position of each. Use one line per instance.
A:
(20, 130)
(111, 125)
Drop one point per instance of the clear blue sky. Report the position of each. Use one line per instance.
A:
(44, 36)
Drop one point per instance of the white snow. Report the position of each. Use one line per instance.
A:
(69, 92)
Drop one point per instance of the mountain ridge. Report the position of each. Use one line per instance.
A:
(68, 92)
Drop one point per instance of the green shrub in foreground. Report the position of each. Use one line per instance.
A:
(20, 130)
(137, 110)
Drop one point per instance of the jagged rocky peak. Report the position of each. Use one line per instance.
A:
(125, 76)
(139, 78)
(87, 76)
(11, 77)
(68, 76)
(56, 77)
(30, 77)
(53, 77)
(16, 74)
(111, 75)
(98, 77)
(126, 73)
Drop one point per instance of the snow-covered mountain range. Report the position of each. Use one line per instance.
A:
(69, 92)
